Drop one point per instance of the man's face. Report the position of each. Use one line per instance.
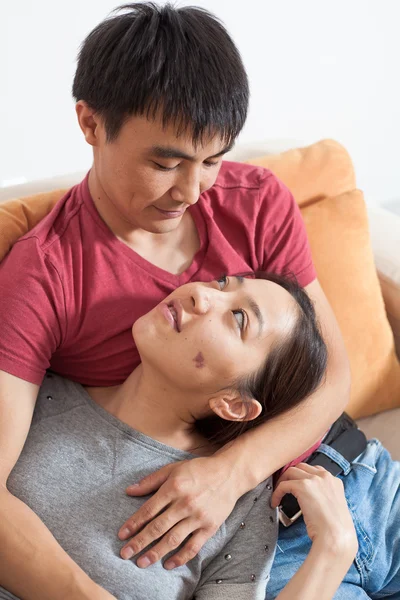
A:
(150, 175)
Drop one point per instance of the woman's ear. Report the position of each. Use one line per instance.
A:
(235, 408)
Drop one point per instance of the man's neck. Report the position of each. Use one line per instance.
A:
(172, 251)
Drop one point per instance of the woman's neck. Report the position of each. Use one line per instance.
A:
(154, 410)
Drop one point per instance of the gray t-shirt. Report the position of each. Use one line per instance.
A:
(78, 460)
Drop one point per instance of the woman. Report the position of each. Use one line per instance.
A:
(217, 358)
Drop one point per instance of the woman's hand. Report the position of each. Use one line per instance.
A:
(194, 499)
(323, 504)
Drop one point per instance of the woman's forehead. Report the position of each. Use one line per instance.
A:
(277, 305)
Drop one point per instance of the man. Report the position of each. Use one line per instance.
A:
(161, 96)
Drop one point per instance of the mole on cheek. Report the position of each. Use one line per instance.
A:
(199, 361)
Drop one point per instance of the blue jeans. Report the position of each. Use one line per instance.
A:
(372, 489)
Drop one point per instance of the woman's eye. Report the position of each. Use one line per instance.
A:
(222, 282)
(239, 313)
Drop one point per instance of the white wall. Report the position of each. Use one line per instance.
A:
(318, 68)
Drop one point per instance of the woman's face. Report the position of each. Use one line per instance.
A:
(209, 334)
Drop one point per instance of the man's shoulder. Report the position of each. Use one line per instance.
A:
(242, 175)
(246, 188)
(56, 228)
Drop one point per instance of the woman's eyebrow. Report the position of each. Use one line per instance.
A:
(257, 313)
(253, 305)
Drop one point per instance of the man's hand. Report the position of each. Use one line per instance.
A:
(194, 499)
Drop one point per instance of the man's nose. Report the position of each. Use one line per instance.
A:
(187, 189)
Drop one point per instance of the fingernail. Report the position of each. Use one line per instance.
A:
(127, 553)
(170, 564)
(124, 533)
(133, 486)
(143, 562)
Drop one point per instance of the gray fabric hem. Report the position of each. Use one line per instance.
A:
(232, 591)
(5, 595)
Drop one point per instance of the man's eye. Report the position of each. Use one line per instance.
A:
(239, 316)
(163, 168)
(222, 282)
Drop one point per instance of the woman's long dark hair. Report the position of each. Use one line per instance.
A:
(294, 369)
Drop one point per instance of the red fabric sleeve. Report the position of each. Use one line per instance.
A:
(32, 313)
(285, 246)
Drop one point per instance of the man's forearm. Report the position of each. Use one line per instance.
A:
(259, 453)
(33, 566)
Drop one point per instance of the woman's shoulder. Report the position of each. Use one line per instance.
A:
(250, 508)
(57, 395)
(241, 566)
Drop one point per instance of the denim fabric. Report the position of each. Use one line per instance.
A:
(372, 489)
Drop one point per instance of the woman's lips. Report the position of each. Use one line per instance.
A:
(168, 315)
(171, 214)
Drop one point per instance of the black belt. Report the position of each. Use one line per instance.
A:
(343, 438)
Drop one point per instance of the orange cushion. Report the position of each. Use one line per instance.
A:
(338, 232)
(314, 172)
(20, 215)
(321, 177)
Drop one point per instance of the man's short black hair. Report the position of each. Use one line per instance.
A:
(151, 60)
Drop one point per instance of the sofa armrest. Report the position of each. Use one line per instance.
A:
(385, 239)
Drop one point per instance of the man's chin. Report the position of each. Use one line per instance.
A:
(162, 226)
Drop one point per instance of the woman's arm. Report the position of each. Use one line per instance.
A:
(318, 577)
(33, 566)
(329, 526)
(241, 570)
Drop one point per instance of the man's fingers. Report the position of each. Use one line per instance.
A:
(153, 531)
(151, 483)
(169, 542)
(146, 513)
(190, 549)
(195, 490)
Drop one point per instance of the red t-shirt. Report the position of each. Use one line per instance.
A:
(70, 290)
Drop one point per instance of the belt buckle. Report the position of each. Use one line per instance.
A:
(288, 521)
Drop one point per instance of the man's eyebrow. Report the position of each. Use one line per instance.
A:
(172, 152)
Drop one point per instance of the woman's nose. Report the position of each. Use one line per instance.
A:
(201, 301)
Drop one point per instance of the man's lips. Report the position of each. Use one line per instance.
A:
(171, 214)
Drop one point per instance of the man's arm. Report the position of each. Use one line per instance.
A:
(281, 440)
(196, 497)
(33, 566)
